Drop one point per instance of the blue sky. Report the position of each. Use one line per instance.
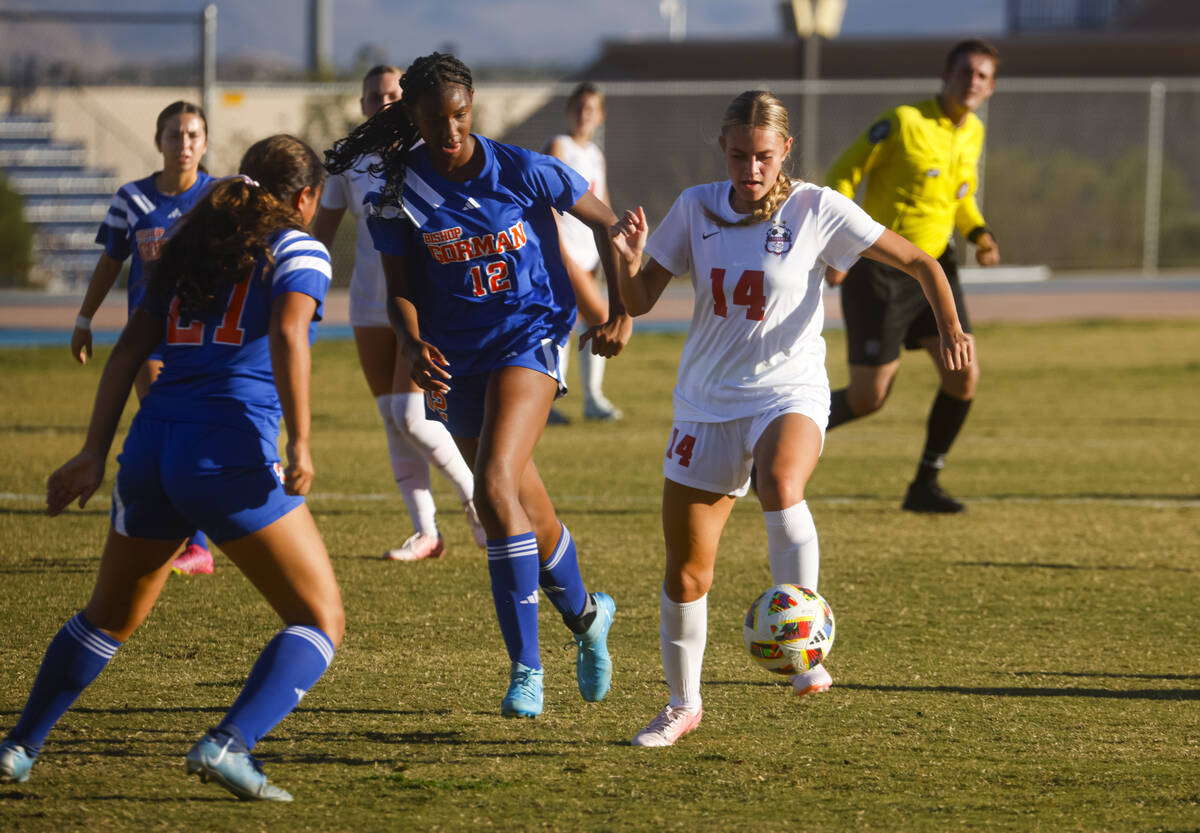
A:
(482, 31)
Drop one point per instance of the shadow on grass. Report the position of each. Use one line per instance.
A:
(1106, 674)
(1048, 565)
(41, 510)
(1041, 691)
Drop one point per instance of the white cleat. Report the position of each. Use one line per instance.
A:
(670, 725)
(601, 410)
(813, 681)
(417, 548)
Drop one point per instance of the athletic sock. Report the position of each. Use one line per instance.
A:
(563, 585)
(432, 439)
(410, 470)
(682, 633)
(76, 656)
(287, 668)
(591, 373)
(839, 409)
(946, 419)
(198, 540)
(792, 546)
(513, 566)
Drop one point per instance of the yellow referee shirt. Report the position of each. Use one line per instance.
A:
(922, 173)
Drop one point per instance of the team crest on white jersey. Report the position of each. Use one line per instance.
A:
(779, 238)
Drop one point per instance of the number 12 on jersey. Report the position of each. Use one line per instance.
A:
(490, 279)
(747, 292)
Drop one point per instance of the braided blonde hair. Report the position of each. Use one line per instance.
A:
(758, 108)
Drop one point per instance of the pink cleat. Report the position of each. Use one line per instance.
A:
(194, 561)
(418, 547)
(670, 725)
(813, 681)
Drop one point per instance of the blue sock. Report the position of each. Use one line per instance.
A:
(75, 657)
(560, 578)
(286, 669)
(198, 540)
(513, 565)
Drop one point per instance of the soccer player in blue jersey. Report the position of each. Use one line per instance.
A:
(134, 228)
(477, 291)
(236, 297)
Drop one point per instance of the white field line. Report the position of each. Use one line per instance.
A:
(563, 500)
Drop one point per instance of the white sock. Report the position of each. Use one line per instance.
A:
(792, 546)
(682, 632)
(591, 374)
(433, 440)
(410, 470)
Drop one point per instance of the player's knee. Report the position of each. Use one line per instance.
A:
(867, 399)
(778, 486)
(962, 384)
(688, 585)
(331, 619)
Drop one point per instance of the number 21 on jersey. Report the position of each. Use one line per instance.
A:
(229, 331)
(747, 292)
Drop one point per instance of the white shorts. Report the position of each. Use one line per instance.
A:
(717, 456)
(368, 298)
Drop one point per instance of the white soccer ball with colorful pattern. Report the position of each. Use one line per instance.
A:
(789, 629)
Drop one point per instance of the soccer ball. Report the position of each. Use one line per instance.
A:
(788, 629)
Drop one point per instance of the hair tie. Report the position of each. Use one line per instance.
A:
(248, 180)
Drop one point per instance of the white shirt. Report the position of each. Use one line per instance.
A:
(368, 287)
(755, 334)
(588, 162)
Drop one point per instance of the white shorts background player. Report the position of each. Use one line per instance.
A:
(414, 442)
(752, 388)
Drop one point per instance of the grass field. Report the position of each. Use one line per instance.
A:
(1033, 665)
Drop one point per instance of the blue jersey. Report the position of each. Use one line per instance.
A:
(485, 271)
(218, 370)
(138, 220)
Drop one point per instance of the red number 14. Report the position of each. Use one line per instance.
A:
(748, 293)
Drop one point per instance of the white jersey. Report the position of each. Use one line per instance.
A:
(588, 162)
(368, 288)
(755, 335)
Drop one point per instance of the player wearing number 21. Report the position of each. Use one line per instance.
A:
(752, 387)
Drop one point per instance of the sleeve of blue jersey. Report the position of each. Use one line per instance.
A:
(389, 234)
(556, 182)
(113, 234)
(301, 265)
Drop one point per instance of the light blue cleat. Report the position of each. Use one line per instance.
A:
(221, 756)
(524, 697)
(593, 666)
(15, 763)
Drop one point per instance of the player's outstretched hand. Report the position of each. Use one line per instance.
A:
(987, 253)
(81, 345)
(630, 234)
(298, 476)
(608, 339)
(428, 365)
(79, 477)
(957, 350)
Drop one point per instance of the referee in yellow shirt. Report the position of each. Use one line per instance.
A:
(921, 165)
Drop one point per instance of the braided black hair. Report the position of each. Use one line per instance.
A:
(390, 133)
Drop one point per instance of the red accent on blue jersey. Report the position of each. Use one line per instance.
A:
(486, 273)
(137, 221)
(218, 370)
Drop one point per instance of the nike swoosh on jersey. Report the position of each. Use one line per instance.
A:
(710, 234)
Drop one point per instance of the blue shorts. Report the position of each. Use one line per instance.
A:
(177, 477)
(461, 407)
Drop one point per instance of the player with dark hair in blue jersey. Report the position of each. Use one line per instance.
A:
(237, 293)
(477, 288)
(133, 230)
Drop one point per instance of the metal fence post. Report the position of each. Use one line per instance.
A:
(1152, 228)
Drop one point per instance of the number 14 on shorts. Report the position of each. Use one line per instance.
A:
(681, 447)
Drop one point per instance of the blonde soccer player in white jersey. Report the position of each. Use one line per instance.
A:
(752, 387)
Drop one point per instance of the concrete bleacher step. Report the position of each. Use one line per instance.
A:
(59, 211)
(43, 157)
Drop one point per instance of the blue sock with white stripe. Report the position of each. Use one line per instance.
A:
(513, 565)
(560, 578)
(287, 668)
(198, 540)
(75, 657)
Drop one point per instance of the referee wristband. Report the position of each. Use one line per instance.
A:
(979, 231)
(82, 322)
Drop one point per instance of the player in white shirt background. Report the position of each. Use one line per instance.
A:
(577, 147)
(752, 387)
(413, 441)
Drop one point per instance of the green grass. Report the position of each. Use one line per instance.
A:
(1030, 666)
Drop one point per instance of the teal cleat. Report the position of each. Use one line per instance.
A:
(524, 697)
(221, 756)
(15, 763)
(593, 666)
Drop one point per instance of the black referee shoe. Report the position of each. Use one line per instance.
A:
(929, 497)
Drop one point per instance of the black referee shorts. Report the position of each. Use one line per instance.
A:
(884, 308)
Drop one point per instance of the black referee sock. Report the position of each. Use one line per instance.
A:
(839, 409)
(946, 419)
